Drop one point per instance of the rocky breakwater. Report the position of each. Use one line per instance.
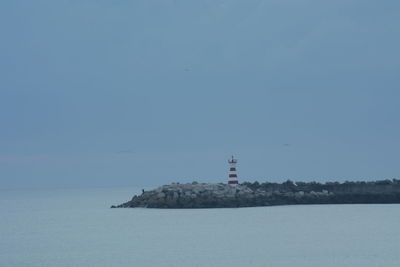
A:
(203, 195)
(194, 195)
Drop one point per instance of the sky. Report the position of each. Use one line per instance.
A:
(97, 93)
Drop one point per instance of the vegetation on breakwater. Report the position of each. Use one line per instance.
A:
(247, 194)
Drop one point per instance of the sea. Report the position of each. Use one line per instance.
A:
(76, 227)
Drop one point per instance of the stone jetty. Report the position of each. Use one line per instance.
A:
(206, 195)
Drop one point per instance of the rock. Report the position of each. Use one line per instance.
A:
(161, 195)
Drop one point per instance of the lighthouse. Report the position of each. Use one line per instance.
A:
(233, 180)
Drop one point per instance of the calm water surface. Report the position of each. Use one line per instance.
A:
(77, 228)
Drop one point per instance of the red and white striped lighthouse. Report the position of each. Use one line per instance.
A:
(232, 171)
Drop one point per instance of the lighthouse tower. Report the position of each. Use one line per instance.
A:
(233, 180)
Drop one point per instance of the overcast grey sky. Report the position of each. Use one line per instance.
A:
(142, 93)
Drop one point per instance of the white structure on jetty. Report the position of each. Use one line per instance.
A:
(233, 179)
